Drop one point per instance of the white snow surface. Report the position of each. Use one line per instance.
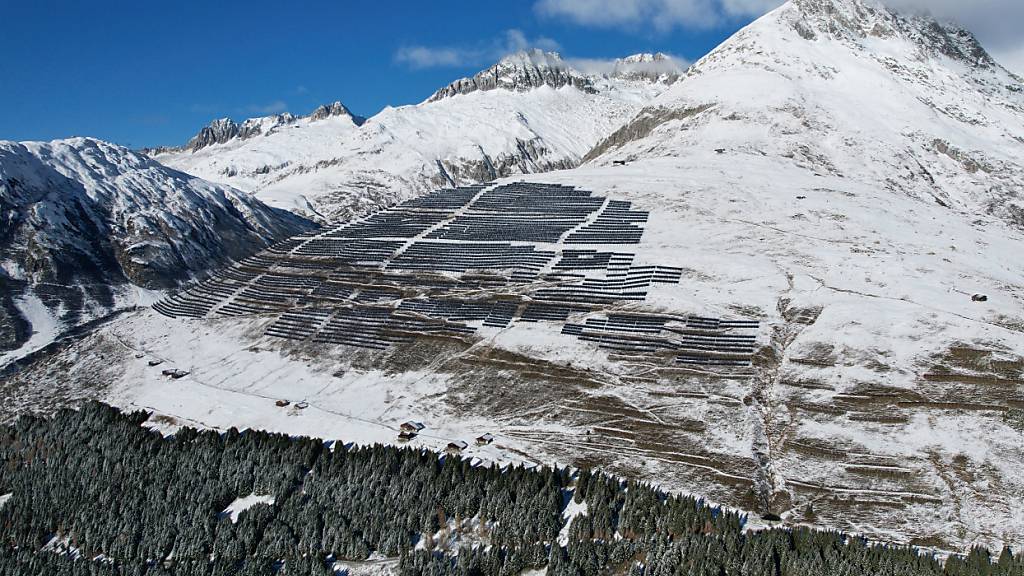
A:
(572, 510)
(46, 327)
(239, 505)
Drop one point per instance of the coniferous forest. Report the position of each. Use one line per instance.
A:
(92, 492)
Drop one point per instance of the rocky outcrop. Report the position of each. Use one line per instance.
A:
(525, 71)
(528, 157)
(656, 67)
(520, 72)
(641, 126)
(225, 130)
(217, 132)
(336, 108)
(859, 19)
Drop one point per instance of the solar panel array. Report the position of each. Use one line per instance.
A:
(458, 260)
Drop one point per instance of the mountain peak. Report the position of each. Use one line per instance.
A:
(534, 57)
(644, 57)
(857, 20)
(335, 108)
(520, 71)
(647, 66)
(216, 132)
(528, 69)
(223, 130)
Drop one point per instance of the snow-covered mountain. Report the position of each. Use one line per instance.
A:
(856, 90)
(88, 226)
(520, 72)
(224, 130)
(531, 112)
(847, 176)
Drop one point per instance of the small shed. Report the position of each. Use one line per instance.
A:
(282, 403)
(456, 447)
(484, 440)
(405, 436)
(618, 162)
(302, 405)
(412, 426)
(155, 362)
(979, 298)
(174, 373)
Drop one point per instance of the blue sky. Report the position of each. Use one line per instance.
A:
(144, 73)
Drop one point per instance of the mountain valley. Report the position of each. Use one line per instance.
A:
(784, 280)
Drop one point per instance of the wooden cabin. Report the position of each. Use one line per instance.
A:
(412, 426)
(484, 440)
(456, 447)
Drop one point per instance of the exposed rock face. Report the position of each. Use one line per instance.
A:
(528, 157)
(224, 130)
(860, 19)
(82, 219)
(656, 67)
(333, 109)
(217, 132)
(525, 71)
(520, 72)
(641, 126)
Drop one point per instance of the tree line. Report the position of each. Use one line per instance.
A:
(93, 492)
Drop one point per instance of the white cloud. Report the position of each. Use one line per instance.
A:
(1012, 59)
(748, 8)
(513, 40)
(662, 15)
(672, 65)
(516, 41)
(996, 23)
(425, 57)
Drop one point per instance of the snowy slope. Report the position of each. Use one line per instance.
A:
(849, 88)
(89, 226)
(868, 167)
(844, 175)
(881, 394)
(529, 113)
(259, 151)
